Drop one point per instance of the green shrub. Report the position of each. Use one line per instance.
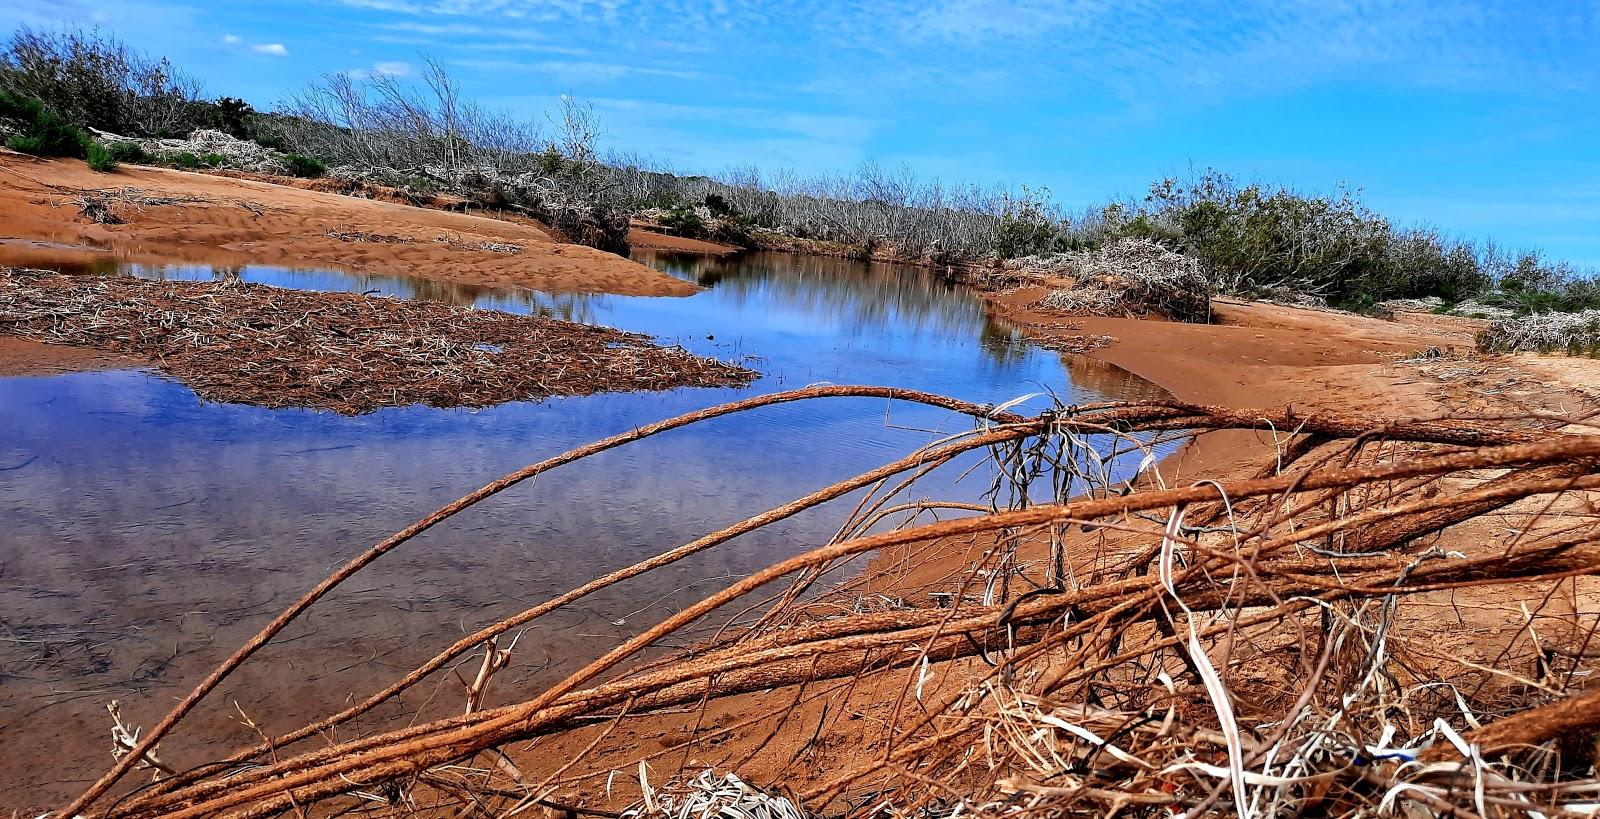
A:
(684, 222)
(1027, 226)
(731, 230)
(719, 206)
(44, 132)
(233, 116)
(304, 166)
(185, 160)
(99, 158)
(213, 160)
(550, 161)
(18, 107)
(128, 152)
(270, 140)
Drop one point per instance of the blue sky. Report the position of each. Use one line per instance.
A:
(1479, 118)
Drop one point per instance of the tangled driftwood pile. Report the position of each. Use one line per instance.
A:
(1388, 309)
(252, 344)
(225, 150)
(106, 206)
(546, 198)
(1571, 333)
(707, 795)
(1470, 308)
(1132, 277)
(1265, 646)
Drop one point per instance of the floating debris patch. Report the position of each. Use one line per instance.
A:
(245, 343)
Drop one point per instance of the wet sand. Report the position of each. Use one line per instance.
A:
(230, 221)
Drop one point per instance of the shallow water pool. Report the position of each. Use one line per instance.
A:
(145, 533)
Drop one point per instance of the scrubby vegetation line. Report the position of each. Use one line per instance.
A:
(88, 95)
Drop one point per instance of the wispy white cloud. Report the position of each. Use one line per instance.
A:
(235, 43)
(579, 72)
(540, 48)
(401, 6)
(388, 68)
(781, 137)
(1141, 47)
(461, 29)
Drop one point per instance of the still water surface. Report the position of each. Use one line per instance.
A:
(144, 534)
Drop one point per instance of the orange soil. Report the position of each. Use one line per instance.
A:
(1259, 355)
(235, 221)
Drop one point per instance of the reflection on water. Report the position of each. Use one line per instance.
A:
(146, 533)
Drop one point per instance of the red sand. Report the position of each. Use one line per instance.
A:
(244, 221)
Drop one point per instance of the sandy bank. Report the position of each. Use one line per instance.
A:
(1268, 356)
(20, 356)
(228, 221)
(640, 237)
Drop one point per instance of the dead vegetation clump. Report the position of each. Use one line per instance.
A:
(1299, 299)
(272, 347)
(1264, 646)
(101, 205)
(226, 151)
(1388, 309)
(1470, 308)
(363, 237)
(707, 795)
(96, 207)
(1570, 333)
(1132, 278)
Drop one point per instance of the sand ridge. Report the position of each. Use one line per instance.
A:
(232, 221)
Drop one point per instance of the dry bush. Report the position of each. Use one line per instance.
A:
(1132, 277)
(94, 79)
(1263, 646)
(427, 137)
(1571, 333)
(1387, 309)
(872, 211)
(227, 150)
